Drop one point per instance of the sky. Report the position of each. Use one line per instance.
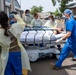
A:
(46, 4)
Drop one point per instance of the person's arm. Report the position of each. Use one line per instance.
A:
(69, 32)
(70, 29)
(17, 28)
(19, 20)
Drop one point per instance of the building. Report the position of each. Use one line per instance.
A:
(44, 15)
(10, 5)
(72, 6)
(2, 3)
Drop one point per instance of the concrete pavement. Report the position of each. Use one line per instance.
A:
(42, 66)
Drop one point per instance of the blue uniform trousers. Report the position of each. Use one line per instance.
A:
(64, 52)
(14, 66)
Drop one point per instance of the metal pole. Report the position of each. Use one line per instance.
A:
(12, 5)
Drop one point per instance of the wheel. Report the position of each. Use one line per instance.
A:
(33, 57)
(57, 56)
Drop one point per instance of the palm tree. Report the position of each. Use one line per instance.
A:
(59, 1)
(63, 3)
(55, 1)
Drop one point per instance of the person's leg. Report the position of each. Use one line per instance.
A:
(63, 55)
(59, 47)
(17, 65)
(8, 69)
(74, 52)
(74, 58)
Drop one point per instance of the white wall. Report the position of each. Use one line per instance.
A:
(2, 5)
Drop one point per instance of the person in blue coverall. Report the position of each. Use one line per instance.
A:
(70, 44)
(74, 58)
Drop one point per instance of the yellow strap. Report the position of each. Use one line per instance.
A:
(13, 46)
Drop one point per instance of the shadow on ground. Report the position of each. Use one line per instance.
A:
(42, 67)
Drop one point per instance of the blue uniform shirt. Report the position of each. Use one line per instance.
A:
(71, 26)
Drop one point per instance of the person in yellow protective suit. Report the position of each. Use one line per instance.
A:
(13, 56)
(52, 23)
